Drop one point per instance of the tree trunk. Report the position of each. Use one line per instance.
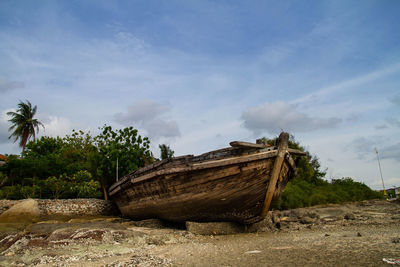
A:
(104, 191)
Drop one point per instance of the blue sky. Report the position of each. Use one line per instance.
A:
(199, 74)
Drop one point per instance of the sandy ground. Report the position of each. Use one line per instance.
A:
(357, 234)
(334, 246)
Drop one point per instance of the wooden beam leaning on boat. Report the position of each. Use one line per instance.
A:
(283, 149)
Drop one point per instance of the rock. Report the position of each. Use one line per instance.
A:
(313, 215)
(150, 223)
(349, 216)
(79, 220)
(26, 211)
(18, 246)
(114, 220)
(214, 228)
(396, 240)
(285, 219)
(50, 222)
(307, 220)
(275, 217)
(8, 240)
(62, 234)
(331, 212)
(94, 234)
(291, 213)
(142, 260)
(45, 228)
(74, 207)
(330, 219)
(265, 225)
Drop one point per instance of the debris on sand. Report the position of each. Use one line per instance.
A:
(114, 241)
(392, 261)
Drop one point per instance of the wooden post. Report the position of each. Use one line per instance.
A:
(282, 149)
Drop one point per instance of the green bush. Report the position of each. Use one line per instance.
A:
(12, 192)
(78, 165)
(300, 193)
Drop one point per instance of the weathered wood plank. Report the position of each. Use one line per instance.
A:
(246, 144)
(296, 152)
(224, 185)
(206, 165)
(282, 150)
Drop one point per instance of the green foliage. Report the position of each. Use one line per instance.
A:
(77, 165)
(29, 191)
(3, 179)
(303, 193)
(309, 188)
(56, 186)
(166, 152)
(89, 189)
(131, 150)
(24, 126)
(83, 186)
(11, 192)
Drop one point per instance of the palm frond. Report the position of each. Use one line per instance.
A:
(24, 126)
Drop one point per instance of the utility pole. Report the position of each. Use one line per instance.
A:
(116, 170)
(380, 171)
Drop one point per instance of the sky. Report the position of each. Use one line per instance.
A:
(198, 74)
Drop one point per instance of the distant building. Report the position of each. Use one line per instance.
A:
(397, 192)
(393, 193)
(3, 159)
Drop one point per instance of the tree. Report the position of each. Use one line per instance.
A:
(309, 188)
(77, 165)
(166, 152)
(3, 179)
(24, 125)
(126, 146)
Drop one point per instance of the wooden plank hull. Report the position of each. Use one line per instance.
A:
(228, 188)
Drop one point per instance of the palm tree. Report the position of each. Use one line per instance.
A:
(24, 124)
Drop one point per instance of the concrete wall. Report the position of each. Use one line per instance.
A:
(69, 207)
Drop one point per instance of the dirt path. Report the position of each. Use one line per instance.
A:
(330, 246)
(357, 234)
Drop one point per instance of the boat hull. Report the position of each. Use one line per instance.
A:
(220, 190)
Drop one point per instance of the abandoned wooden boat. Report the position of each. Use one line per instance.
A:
(232, 184)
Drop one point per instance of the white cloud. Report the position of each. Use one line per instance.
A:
(151, 116)
(390, 152)
(141, 111)
(4, 125)
(55, 126)
(390, 182)
(158, 127)
(274, 117)
(365, 146)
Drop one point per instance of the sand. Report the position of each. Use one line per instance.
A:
(354, 234)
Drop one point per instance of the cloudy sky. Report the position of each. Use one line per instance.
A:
(198, 74)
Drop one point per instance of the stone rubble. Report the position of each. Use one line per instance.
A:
(114, 241)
